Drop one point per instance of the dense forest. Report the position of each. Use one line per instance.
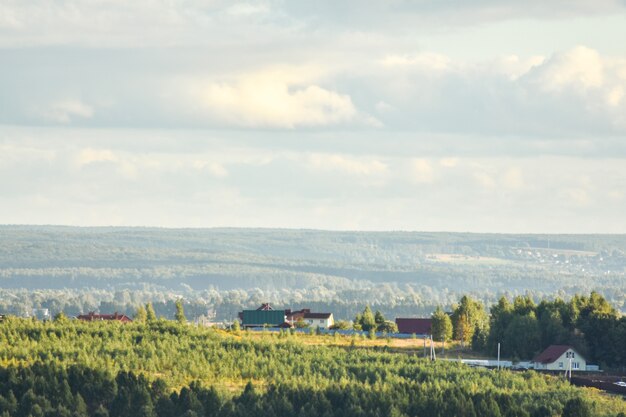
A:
(523, 328)
(220, 271)
(161, 368)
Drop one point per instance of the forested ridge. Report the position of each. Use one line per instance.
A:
(221, 271)
(161, 368)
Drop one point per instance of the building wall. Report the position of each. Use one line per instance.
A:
(323, 323)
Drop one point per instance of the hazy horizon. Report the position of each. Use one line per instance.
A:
(484, 117)
(295, 229)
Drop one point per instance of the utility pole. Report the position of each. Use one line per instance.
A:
(433, 356)
(568, 370)
(498, 355)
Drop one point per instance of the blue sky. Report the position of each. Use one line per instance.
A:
(494, 116)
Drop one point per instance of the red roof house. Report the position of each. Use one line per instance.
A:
(559, 357)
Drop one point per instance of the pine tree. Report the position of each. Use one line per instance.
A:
(379, 318)
(140, 315)
(368, 321)
(150, 314)
(180, 312)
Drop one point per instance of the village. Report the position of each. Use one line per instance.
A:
(555, 358)
(427, 337)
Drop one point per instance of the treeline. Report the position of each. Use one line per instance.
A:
(169, 369)
(523, 328)
(393, 300)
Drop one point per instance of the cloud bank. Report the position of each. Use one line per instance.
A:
(483, 116)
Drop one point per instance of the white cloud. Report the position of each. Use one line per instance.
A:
(216, 169)
(383, 107)
(89, 156)
(513, 178)
(421, 171)
(247, 9)
(485, 180)
(284, 98)
(353, 166)
(577, 196)
(580, 67)
(194, 178)
(615, 96)
(513, 66)
(165, 22)
(65, 111)
(449, 162)
(427, 61)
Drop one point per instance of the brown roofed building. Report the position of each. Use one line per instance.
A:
(284, 318)
(323, 320)
(414, 326)
(558, 358)
(105, 317)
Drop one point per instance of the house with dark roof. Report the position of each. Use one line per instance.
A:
(418, 326)
(91, 316)
(558, 358)
(266, 316)
(322, 320)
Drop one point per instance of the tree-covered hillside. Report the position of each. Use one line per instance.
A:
(219, 271)
(164, 369)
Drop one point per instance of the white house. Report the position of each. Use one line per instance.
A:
(323, 320)
(558, 357)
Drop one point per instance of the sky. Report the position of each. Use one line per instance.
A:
(474, 115)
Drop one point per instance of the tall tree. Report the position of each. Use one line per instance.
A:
(140, 315)
(501, 315)
(180, 312)
(368, 321)
(523, 305)
(467, 316)
(379, 318)
(522, 338)
(441, 327)
(150, 314)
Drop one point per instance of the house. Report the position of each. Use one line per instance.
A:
(322, 320)
(418, 326)
(264, 316)
(558, 357)
(91, 316)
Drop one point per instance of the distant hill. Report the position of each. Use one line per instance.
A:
(435, 266)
